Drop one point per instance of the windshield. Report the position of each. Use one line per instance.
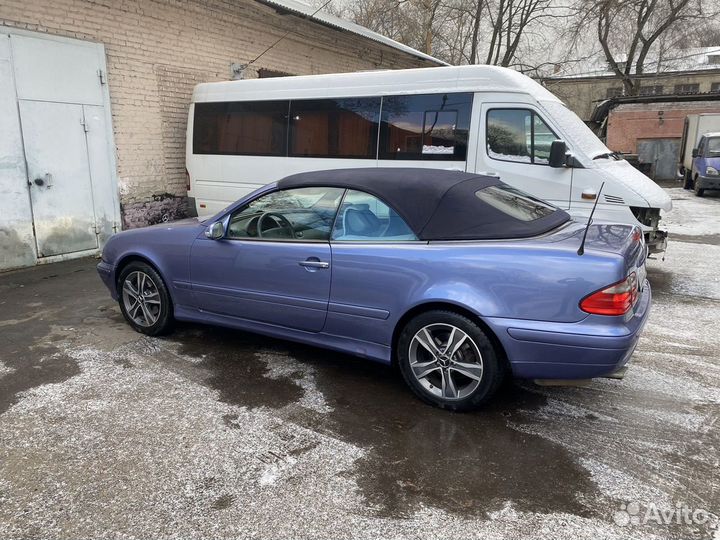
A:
(713, 148)
(579, 136)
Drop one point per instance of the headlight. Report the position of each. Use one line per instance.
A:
(711, 171)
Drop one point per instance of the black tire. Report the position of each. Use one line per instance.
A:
(698, 191)
(478, 390)
(158, 318)
(687, 180)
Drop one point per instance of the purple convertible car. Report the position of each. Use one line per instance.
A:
(456, 278)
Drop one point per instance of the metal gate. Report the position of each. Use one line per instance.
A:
(662, 155)
(63, 122)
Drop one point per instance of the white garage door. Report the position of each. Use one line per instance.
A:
(61, 99)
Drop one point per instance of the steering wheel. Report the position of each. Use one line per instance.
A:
(280, 221)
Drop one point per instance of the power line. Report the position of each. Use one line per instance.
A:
(251, 62)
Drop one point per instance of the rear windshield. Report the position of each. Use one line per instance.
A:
(515, 203)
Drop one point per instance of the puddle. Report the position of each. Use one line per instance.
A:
(34, 299)
(417, 455)
(238, 374)
(34, 372)
(661, 281)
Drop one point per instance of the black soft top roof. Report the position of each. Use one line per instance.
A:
(436, 204)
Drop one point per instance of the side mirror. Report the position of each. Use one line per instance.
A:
(558, 149)
(215, 231)
(695, 152)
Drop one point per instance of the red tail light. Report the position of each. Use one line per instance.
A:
(616, 299)
(187, 179)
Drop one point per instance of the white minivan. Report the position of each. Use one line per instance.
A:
(485, 119)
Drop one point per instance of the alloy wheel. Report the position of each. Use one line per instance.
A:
(445, 361)
(141, 299)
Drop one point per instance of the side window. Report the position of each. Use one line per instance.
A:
(241, 128)
(518, 135)
(701, 147)
(302, 214)
(337, 128)
(364, 217)
(425, 127)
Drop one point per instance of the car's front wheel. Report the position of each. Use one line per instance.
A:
(448, 361)
(144, 299)
(698, 190)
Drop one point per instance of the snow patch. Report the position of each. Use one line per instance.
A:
(282, 366)
(5, 370)
(691, 215)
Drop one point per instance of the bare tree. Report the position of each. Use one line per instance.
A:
(628, 31)
(476, 30)
(510, 19)
(457, 31)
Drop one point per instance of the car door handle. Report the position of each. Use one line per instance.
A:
(314, 264)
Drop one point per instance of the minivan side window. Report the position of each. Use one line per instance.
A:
(257, 128)
(518, 135)
(335, 128)
(425, 127)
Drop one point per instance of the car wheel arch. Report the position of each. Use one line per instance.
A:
(454, 308)
(132, 257)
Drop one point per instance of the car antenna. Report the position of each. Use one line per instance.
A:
(581, 249)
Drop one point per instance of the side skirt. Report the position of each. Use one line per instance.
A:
(355, 347)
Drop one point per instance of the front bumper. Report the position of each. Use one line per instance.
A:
(594, 347)
(656, 241)
(707, 182)
(107, 275)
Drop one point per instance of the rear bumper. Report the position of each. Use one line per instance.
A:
(593, 347)
(707, 182)
(107, 275)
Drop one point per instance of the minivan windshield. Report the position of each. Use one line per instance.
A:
(579, 136)
(713, 147)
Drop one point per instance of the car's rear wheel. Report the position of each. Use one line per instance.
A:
(144, 299)
(448, 361)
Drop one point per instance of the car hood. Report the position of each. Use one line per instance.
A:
(186, 222)
(629, 177)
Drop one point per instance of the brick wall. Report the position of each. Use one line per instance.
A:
(157, 50)
(582, 94)
(631, 122)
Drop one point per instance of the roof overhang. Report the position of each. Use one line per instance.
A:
(304, 11)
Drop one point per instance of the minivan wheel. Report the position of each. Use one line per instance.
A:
(698, 190)
(144, 299)
(448, 361)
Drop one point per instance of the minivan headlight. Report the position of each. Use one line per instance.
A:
(711, 171)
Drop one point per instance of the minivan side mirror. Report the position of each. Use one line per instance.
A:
(558, 149)
(695, 152)
(215, 231)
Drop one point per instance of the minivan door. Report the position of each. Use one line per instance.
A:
(514, 144)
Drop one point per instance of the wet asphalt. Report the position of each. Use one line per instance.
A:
(217, 433)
